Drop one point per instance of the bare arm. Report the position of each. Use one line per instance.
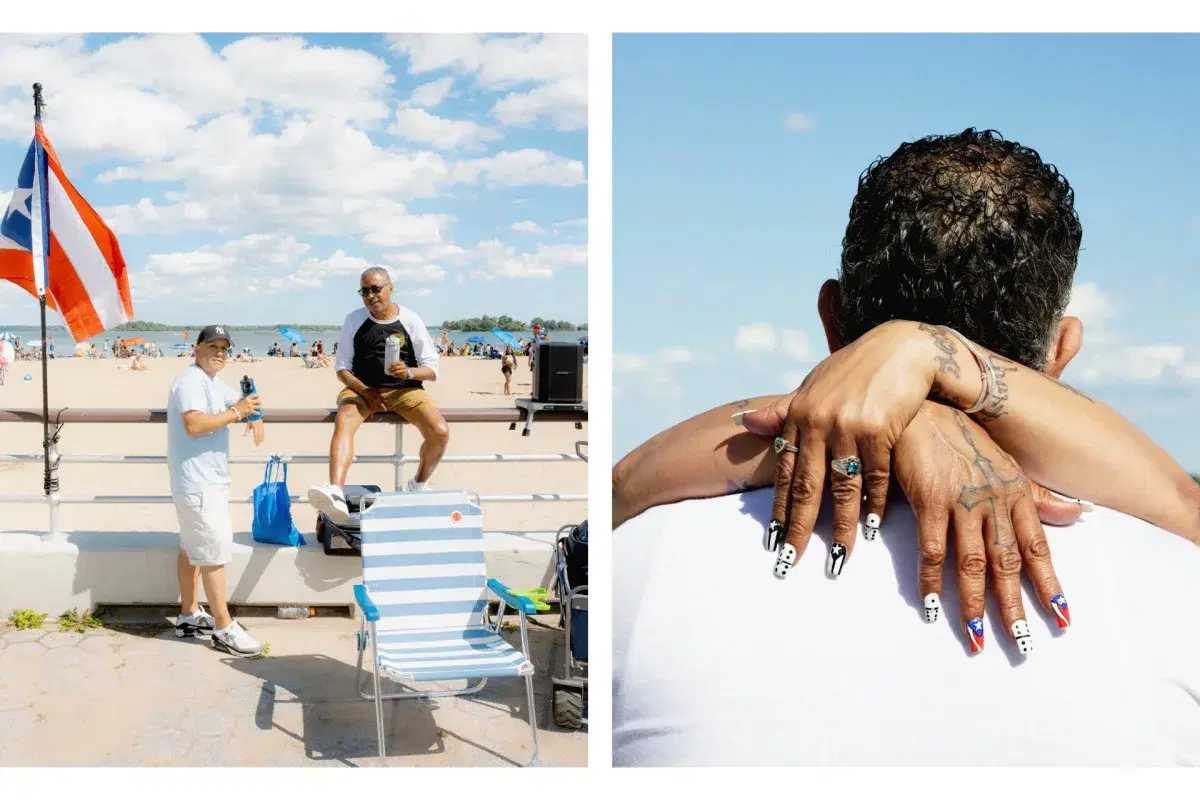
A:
(705, 456)
(1067, 441)
(198, 423)
(1061, 438)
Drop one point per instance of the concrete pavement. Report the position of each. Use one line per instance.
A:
(136, 696)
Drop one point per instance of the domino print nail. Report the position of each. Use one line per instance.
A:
(787, 557)
(872, 529)
(836, 560)
(1020, 632)
(975, 633)
(933, 607)
(773, 536)
(1061, 610)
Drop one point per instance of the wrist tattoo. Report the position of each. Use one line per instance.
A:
(946, 362)
(994, 409)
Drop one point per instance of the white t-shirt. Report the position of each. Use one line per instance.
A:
(202, 462)
(716, 662)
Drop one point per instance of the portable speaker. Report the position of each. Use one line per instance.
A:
(558, 372)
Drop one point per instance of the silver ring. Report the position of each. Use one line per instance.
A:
(782, 444)
(848, 466)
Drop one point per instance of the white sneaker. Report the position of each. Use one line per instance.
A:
(235, 641)
(200, 624)
(329, 500)
(413, 486)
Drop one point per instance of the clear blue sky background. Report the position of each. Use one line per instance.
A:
(728, 212)
(323, 141)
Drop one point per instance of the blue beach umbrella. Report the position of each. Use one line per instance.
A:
(506, 337)
(292, 335)
(478, 339)
(180, 346)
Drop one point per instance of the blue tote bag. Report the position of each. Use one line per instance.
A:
(273, 509)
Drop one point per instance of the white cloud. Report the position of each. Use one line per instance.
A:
(1150, 363)
(795, 344)
(675, 355)
(521, 168)
(800, 123)
(1091, 305)
(555, 65)
(418, 125)
(497, 260)
(758, 337)
(431, 95)
(657, 364)
(267, 133)
(255, 264)
(581, 222)
(528, 226)
(423, 292)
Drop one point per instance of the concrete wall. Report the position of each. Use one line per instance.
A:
(89, 569)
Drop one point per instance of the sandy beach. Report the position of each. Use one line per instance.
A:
(282, 383)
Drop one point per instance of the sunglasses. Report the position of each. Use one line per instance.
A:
(369, 290)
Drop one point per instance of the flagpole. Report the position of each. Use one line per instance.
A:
(50, 471)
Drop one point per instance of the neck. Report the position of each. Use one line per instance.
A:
(206, 371)
(389, 312)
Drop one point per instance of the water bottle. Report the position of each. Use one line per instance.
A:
(392, 352)
(296, 612)
(247, 390)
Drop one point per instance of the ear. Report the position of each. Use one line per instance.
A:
(1065, 346)
(829, 306)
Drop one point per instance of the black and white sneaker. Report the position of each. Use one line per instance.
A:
(200, 625)
(235, 641)
(330, 501)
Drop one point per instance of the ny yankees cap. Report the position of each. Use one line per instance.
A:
(214, 332)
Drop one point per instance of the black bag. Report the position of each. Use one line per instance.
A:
(576, 551)
(345, 539)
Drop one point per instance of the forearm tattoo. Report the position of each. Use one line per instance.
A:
(946, 362)
(997, 395)
(993, 487)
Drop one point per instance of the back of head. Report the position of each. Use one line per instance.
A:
(969, 231)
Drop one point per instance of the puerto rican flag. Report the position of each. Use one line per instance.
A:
(53, 243)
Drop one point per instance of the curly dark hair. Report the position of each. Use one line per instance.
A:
(969, 231)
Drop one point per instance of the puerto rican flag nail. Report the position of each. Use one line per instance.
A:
(975, 632)
(1061, 610)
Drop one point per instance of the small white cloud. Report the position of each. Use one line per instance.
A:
(421, 292)
(675, 355)
(1140, 364)
(430, 95)
(630, 362)
(528, 226)
(1091, 305)
(800, 123)
(758, 337)
(418, 125)
(795, 344)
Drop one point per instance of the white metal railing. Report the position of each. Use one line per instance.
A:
(398, 458)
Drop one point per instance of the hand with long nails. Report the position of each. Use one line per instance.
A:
(959, 481)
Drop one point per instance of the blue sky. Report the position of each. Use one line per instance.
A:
(735, 159)
(252, 178)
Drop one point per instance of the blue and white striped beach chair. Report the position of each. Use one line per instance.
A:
(424, 594)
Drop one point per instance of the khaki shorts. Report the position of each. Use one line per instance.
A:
(205, 531)
(408, 403)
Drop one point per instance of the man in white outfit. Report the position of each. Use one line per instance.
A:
(200, 409)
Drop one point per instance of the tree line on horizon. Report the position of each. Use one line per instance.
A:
(507, 323)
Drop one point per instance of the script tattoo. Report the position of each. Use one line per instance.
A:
(994, 487)
(1070, 389)
(943, 341)
(740, 404)
(998, 395)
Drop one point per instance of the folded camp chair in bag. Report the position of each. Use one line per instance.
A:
(424, 594)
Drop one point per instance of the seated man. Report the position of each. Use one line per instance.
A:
(837, 672)
(373, 385)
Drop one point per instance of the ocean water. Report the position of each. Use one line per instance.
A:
(258, 341)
